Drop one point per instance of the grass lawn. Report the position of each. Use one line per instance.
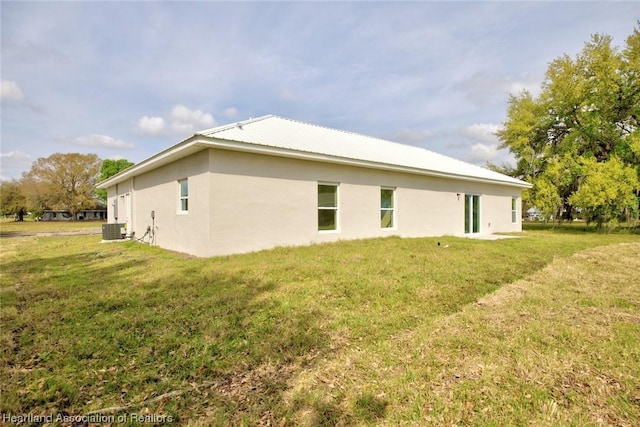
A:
(9, 227)
(541, 330)
(578, 226)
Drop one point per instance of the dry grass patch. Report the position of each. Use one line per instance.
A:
(561, 347)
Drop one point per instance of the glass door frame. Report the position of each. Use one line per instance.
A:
(472, 213)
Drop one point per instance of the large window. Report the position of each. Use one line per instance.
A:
(387, 208)
(327, 207)
(184, 195)
(514, 210)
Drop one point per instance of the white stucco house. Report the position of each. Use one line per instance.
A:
(273, 181)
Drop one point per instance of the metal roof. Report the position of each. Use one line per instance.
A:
(284, 133)
(279, 136)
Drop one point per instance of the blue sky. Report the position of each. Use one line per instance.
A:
(128, 79)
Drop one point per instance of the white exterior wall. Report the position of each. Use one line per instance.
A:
(495, 208)
(241, 202)
(259, 202)
(159, 191)
(116, 203)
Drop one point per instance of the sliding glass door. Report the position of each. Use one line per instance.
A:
(471, 213)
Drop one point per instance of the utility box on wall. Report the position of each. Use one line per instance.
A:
(113, 231)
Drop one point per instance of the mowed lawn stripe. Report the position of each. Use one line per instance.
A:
(559, 347)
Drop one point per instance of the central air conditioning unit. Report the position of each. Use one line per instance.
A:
(113, 231)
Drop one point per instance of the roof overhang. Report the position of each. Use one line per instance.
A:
(178, 151)
(199, 142)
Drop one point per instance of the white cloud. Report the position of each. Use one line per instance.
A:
(151, 125)
(101, 141)
(184, 120)
(482, 132)
(531, 82)
(12, 163)
(485, 145)
(15, 155)
(10, 90)
(230, 112)
(482, 153)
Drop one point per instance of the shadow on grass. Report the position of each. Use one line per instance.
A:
(95, 329)
(18, 232)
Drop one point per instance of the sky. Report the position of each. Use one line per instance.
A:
(129, 79)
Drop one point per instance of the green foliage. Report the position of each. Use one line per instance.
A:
(109, 168)
(607, 189)
(546, 198)
(588, 112)
(12, 198)
(524, 134)
(62, 181)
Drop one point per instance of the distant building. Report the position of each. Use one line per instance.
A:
(85, 214)
(273, 181)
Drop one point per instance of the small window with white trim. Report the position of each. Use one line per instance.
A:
(514, 210)
(184, 195)
(387, 207)
(327, 207)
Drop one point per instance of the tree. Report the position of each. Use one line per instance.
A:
(109, 168)
(547, 199)
(587, 114)
(12, 198)
(63, 181)
(606, 190)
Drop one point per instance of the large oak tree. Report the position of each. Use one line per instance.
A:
(578, 141)
(63, 181)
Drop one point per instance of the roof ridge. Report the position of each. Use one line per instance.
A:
(240, 123)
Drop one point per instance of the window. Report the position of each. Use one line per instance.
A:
(514, 210)
(184, 195)
(327, 207)
(387, 207)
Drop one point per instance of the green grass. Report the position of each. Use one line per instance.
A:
(9, 227)
(580, 226)
(381, 331)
